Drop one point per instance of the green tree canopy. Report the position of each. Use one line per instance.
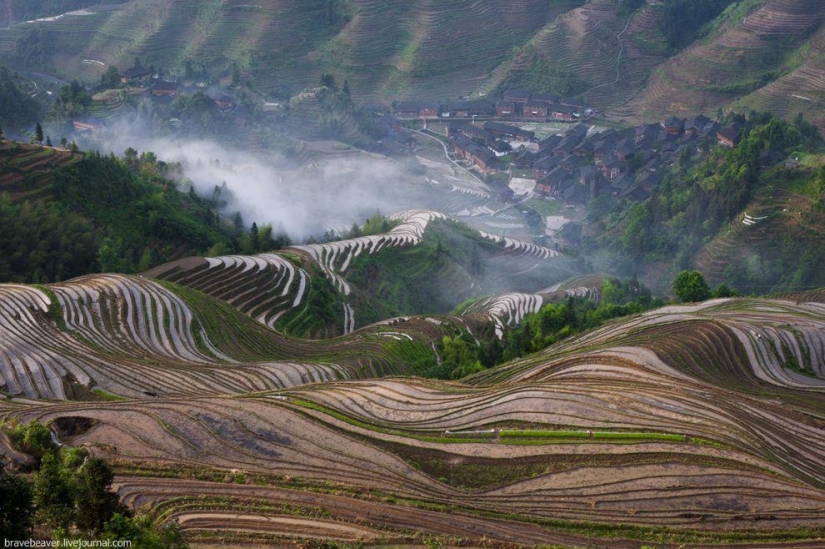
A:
(690, 286)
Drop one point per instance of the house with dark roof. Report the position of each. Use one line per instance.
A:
(567, 145)
(500, 148)
(612, 169)
(466, 109)
(535, 109)
(134, 75)
(471, 131)
(696, 125)
(477, 155)
(524, 160)
(543, 166)
(552, 183)
(164, 88)
(506, 109)
(730, 135)
(550, 142)
(417, 109)
(562, 113)
(509, 131)
(673, 125)
(580, 130)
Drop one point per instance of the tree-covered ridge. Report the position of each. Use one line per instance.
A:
(682, 20)
(110, 214)
(703, 197)
(17, 110)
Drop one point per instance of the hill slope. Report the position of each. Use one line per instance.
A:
(621, 435)
(765, 54)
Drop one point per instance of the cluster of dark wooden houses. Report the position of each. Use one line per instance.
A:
(514, 105)
(579, 164)
(161, 90)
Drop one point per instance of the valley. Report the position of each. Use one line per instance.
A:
(348, 273)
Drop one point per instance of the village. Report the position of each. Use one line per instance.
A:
(142, 81)
(574, 165)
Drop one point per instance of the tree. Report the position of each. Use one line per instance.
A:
(15, 504)
(111, 78)
(54, 493)
(96, 503)
(690, 286)
(38, 133)
(723, 290)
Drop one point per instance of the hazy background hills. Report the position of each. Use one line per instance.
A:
(637, 60)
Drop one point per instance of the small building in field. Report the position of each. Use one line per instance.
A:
(164, 88)
(134, 75)
(225, 103)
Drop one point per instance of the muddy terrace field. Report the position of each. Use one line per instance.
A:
(687, 426)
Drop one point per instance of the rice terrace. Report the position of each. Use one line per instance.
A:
(421, 273)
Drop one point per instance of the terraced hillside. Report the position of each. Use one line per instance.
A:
(383, 49)
(627, 433)
(758, 50)
(132, 336)
(763, 54)
(27, 171)
(426, 264)
(688, 424)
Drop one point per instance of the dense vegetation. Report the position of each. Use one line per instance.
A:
(18, 111)
(70, 496)
(465, 354)
(700, 196)
(110, 214)
(682, 20)
(540, 76)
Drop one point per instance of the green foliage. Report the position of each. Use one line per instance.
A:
(110, 78)
(17, 110)
(33, 438)
(690, 286)
(541, 76)
(464, 354)
(72, 100)
(54, 493)
(95, 502)
(682, 20)
(72, 495)
(700, 197)
(43, 242)
(16, 511)
(723, 290)
(136, 210)
(143, 531)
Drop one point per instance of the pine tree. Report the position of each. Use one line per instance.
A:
(38, 133)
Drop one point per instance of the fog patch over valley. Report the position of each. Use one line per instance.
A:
(301, 202)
